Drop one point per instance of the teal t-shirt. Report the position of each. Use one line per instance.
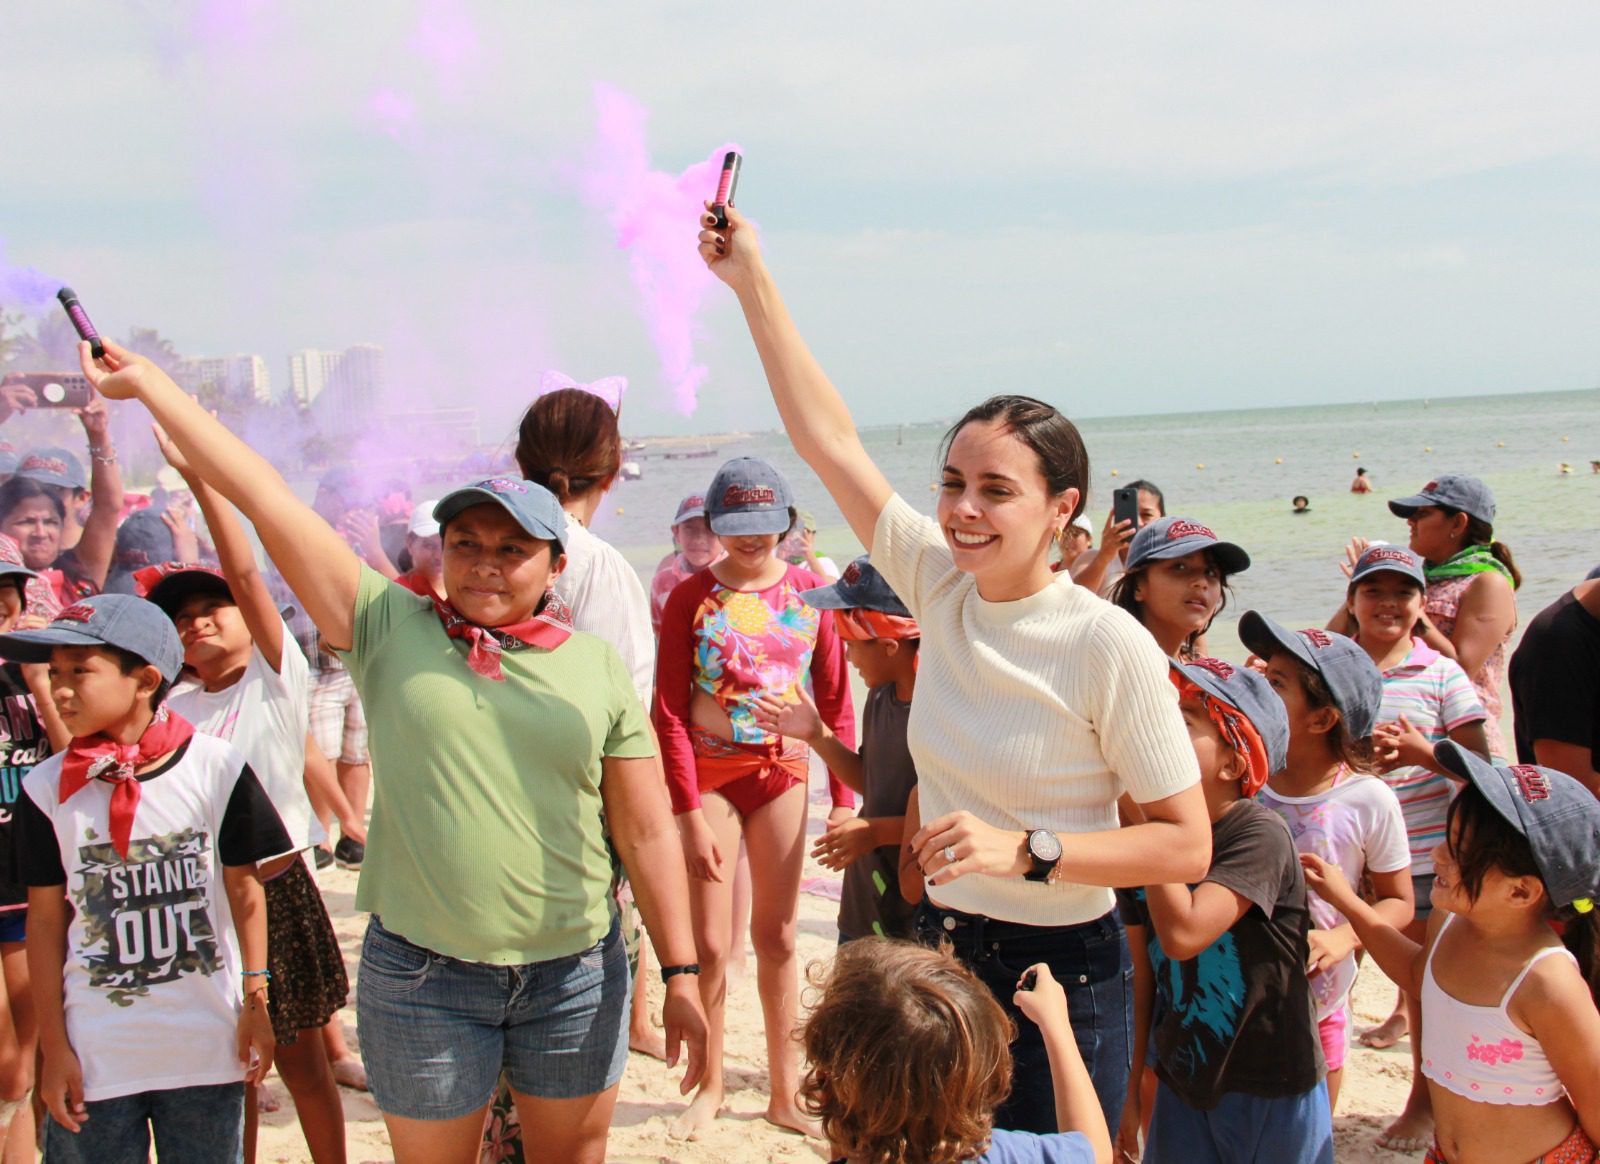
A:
(486, 841)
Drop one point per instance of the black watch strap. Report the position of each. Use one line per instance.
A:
(669, 972)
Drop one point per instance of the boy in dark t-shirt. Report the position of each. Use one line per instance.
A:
(1237, 1055)
(880, 642)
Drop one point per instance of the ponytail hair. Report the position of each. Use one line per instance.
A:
(1481, 533)
(568, 442)
(1581, 935)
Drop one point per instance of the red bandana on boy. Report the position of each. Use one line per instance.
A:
(549, 628)
(98, 758)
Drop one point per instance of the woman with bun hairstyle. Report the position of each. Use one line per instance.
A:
(1037, 701)
(733, 634)
(1471, 604)
(1176, 582)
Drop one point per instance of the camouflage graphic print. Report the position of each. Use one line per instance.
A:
(145, 919)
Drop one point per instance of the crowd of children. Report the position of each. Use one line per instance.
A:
(1105, 895)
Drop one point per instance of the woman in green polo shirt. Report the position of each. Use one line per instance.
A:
(499, 735)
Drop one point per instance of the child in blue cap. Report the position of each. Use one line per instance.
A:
(1240, 1071)
(147, 921)
(1511, 1035)
(880, 642)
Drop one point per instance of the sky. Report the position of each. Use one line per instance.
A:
(1120, 208)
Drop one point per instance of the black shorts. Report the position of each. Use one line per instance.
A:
(309, 982)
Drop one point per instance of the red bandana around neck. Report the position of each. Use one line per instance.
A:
(98, 758)
(549, 628)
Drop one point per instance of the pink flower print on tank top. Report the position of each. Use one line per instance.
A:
(1442, 603)
(1493, 1054)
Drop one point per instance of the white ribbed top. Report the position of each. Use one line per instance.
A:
(1031, 714)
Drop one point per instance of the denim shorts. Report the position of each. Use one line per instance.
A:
(192, 1125)
(436, 1032)
(1292, 1129)
(1092, 964)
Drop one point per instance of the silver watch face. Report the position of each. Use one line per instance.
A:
(1044, 845)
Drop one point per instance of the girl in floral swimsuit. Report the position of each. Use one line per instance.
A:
(731, 634)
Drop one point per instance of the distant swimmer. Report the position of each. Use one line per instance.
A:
(1302, 503)
(1362, 483)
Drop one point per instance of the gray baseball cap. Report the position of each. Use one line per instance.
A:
(1559, 816)
(53, 465)
(748, 496)
(1394, 559)
(533, 506)
(1248, 692)
(689, 508)
(1452, 491)
(105, 620)
(1175, 537)
(1353, 679)
(861, 587)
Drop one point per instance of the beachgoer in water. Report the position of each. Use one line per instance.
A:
(1361, 483)
(1301, 503)
(1037, 702)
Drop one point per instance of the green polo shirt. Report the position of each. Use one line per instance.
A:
(486, 841)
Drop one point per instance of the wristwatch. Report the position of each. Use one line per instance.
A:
(1044, 851)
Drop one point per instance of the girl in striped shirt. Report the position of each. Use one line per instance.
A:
(1426, 698)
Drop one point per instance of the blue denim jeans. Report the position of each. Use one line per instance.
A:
(437, 1032)
(192, 1125)
(1090, 961)
(1242, 1129)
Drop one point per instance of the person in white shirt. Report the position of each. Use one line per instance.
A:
(1038, 703)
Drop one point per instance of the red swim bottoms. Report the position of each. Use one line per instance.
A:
(747, 776)
(1575, 1149)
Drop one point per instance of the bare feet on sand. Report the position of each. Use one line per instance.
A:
(350, 1073)
(1412, 1132)
(647, 1041)
(1387, 1033)
(787, 1115)
(698, 1116)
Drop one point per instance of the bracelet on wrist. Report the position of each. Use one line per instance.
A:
(670, 972)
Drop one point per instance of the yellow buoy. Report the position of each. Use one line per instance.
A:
(1499, 444)
(1355, 456)
(1277, 461)
(1427, 448)
(1113, 472)
(620, 511)
(933, 488)
(1200, 466)
(1564, 440)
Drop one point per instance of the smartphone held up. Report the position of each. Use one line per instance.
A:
(54, 389)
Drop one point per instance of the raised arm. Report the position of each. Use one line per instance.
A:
(1487, 614)
(238, 559)
(322, 571)
(99, 540)
(814, 414)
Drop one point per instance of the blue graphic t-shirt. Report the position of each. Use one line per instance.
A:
(1239, 1016)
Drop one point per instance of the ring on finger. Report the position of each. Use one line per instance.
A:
(949, 852)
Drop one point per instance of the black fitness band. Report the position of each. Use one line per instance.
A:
(667, 972)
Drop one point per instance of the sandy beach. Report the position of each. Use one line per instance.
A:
(1374, 1087)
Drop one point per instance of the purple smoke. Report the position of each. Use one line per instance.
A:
(24, 288)
(653, 213)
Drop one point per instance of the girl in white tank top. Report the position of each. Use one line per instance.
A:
(1510, 1031)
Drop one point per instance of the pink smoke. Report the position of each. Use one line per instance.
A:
(653, 214)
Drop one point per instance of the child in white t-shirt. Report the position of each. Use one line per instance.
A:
(248, 682)
(152, 995)
(1334, 807)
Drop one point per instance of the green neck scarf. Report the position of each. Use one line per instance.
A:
(1472, 560)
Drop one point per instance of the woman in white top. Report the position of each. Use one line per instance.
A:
(1037, 702)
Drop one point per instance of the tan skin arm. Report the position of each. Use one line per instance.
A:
(1487, 614)
(247, 903)
(1172, 844)
(910, 871)
(99, 540)
(319, 567)
(1396, 955)
(37, 677)
(639, 815)
(1555, 1005)
(1144, 1006)
(61, 1080)
(1396, 905)
(238, 560)
(814, 414)
(1189, 920)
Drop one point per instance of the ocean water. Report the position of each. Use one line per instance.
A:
(1253, 462)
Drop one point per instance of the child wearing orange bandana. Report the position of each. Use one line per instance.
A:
(152, 987)
(1237, 1057)
(880, 642)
